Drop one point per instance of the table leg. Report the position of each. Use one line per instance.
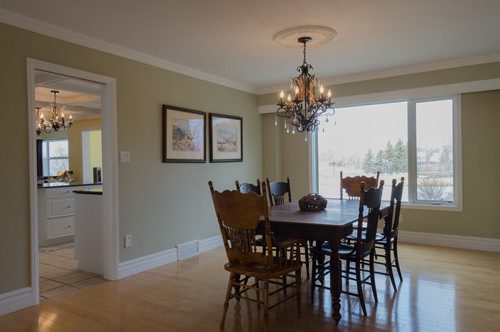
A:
(335, 279)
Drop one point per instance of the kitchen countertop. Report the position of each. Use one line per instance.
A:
(48, 185)
(89, 191)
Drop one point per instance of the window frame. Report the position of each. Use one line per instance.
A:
(46, 161)
(413, 203)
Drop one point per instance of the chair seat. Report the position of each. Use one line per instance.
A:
(379, 237)
(355, 224)
(275, 270)
(345, 250)
(277, 241)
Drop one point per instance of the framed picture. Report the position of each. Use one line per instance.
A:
(226, 138)
(183, 135)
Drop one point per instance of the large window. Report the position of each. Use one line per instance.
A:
(55, 157)
(414, 139)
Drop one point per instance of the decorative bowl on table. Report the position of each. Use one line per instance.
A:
(312, 202)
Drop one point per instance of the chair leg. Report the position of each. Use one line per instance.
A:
(298, 281)
(360, 288)
(228, 296)
(314, 275)
(306, 248)
(347, 272)
(321, 268)
(395, 246)
(266, 298)
(283, 253)
(257, 293)
(372, 275)
(388, 264)
(283, 279)
(237, 288)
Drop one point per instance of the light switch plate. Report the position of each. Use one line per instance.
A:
(128, 241)
(124, 156)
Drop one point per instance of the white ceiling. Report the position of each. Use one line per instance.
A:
(79, 98)
(232, 40)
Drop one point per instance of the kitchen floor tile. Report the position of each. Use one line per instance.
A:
(51, 272)
(58, 291)
(47, 284)
(74, 277)
(59, 272)
(89, 282)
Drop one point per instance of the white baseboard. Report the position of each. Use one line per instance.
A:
(155, 260)
(16, 300)
(454, 241)
(147, 262)
(211, 243)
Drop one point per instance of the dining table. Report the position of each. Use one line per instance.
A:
(332, 225)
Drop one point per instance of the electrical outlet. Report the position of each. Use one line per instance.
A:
(128, 241)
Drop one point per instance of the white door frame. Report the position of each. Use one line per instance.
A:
(110, 167)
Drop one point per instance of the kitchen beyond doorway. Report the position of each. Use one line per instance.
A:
(59, 272)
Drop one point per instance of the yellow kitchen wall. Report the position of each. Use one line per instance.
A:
(54, 135)
(95, 149)
(75, 144)
(480, 151)
(160, 204)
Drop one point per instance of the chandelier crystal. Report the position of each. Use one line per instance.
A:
(302, 112)
(55, 120)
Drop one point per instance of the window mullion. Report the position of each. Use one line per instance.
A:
(412, 151)
(457, 151)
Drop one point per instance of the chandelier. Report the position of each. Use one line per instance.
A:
(302, 112)
(55, 120)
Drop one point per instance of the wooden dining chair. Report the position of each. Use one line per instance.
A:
(277, 191)
(387, 241)
(356, 253)
(239, 215)
(351, 184)
(248, 187)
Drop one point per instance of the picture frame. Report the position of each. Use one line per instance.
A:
(226, 138)
(183, 135)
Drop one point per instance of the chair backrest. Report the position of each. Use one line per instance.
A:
(278, 190)
(369, 199)
(391, 226)
(248, 187)
(239, 215)
(351, 184)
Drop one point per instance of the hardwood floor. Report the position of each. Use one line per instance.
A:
(443, 290)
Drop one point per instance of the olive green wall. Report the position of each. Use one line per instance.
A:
(160, 204)
(480, 152)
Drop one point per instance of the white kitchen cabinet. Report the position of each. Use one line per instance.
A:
(56, 215)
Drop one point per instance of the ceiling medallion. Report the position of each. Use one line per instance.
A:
(320, 35)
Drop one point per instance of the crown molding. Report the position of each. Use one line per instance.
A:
(54, 31)
(399, 71)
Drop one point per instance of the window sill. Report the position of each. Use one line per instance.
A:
(435, 207)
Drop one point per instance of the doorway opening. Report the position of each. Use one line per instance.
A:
(67, 165)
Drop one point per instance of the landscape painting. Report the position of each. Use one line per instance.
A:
(225, 138)
(183, 135)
